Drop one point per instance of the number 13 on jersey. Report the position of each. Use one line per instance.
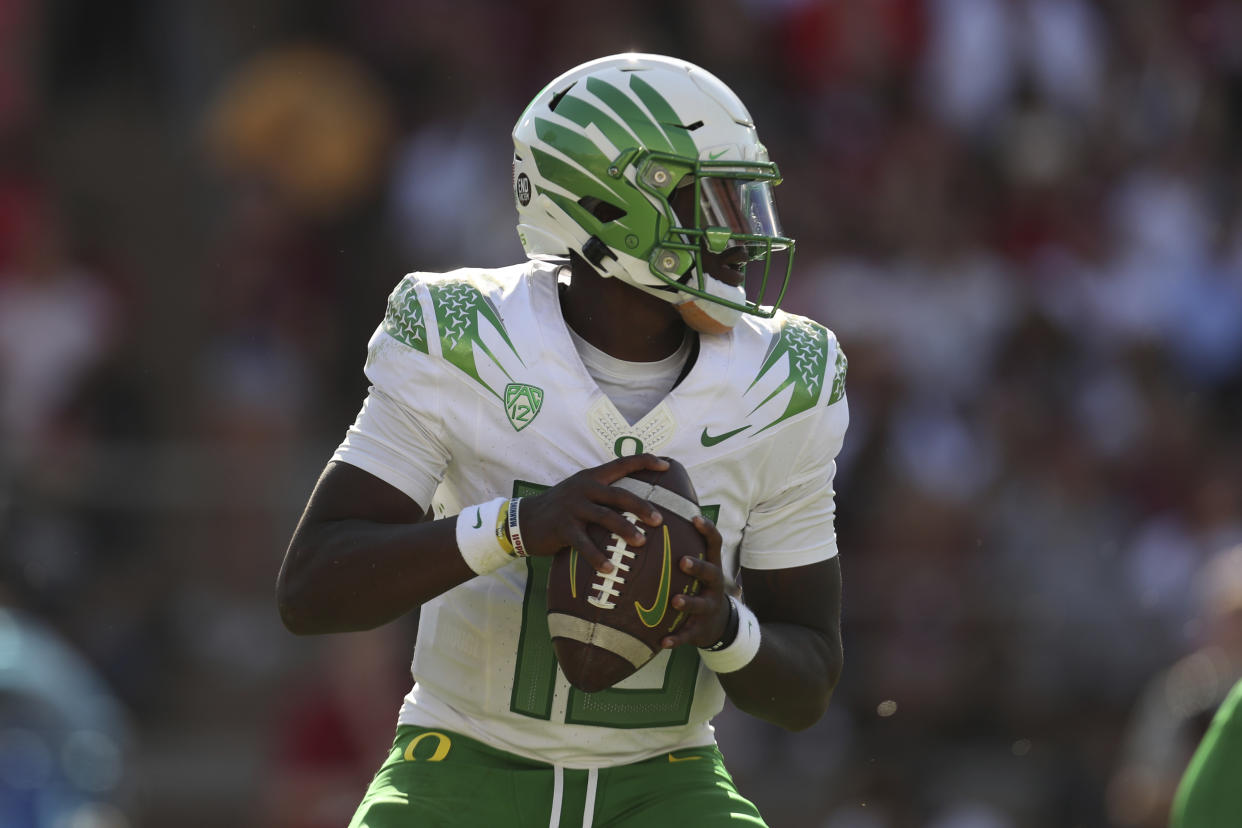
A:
(534, 674)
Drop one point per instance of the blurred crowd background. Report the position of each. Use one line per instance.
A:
(1023, 218)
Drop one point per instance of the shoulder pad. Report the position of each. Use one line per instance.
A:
(465, 319)
(403, 320)
(802, 348)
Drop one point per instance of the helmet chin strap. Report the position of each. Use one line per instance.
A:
(706, 316)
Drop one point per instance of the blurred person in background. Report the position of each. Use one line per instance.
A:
(65, 740)
(1210, 793)
(1174, 710)
(643, 197)
(326, 733)
(57, 322)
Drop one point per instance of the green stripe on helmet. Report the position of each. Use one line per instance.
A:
(584, 114)
(588, 156)
(666, 115)
(574, 179)
(649, 135)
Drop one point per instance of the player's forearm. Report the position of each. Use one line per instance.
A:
(348, 575)
(791, 679)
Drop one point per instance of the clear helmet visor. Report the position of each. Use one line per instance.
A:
(744, 207)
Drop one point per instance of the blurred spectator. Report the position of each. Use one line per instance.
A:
(310, 122)
(18, 19)
(442, 203)
(56, 323)
(334, 726)
(64, 740)
(1175, 708)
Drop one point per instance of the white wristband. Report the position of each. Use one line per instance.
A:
(476, 537)
(743, 649)
(515, 528)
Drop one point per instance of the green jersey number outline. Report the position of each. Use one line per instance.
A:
(534, 673)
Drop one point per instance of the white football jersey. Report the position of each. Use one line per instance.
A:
(478, 392)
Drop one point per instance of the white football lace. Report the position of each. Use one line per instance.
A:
(604, 587)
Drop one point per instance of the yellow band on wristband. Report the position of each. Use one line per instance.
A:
(502, 528)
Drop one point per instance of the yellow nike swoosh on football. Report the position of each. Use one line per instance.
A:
(652, 615)
(573, 572)
(673, 758)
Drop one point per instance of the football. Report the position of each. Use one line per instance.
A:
(604, 627)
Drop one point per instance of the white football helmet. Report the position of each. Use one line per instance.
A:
(598, 155)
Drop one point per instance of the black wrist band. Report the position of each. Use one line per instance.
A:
(730, 631)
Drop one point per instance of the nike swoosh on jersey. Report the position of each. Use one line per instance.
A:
(673, 758)
(708, 440)
(478, 518)
(714, 155)
(652, 615)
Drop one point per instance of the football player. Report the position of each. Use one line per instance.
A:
(1210, 795)
(504, 403)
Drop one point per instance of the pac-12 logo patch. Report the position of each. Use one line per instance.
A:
(521, 189)
(522, 404)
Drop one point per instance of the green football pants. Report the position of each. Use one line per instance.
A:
(436, 778)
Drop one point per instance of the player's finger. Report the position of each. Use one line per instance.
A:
(579, 540)
(625, 501)
(614, 470)
(701, 625)
(709, 573)
(616, 523)
(695, 605)
(686, 634)
(712, 535)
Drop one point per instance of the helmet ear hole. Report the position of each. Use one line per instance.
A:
(601, 209)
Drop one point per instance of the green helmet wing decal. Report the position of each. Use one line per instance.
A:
(804, 346)
(644, 124)
(592, 177)
(588, 176)
(461, 313)
(403, 320)
(678, 137)
(588, 172)
(584, 114)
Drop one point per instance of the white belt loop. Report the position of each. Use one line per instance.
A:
(588, 813)
(558, 794)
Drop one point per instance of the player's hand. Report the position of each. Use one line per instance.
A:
(707, 612)
(558, 518)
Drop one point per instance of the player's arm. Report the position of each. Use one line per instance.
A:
(790, 680)
(363, 555)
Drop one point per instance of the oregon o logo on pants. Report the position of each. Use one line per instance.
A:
(443, 746)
